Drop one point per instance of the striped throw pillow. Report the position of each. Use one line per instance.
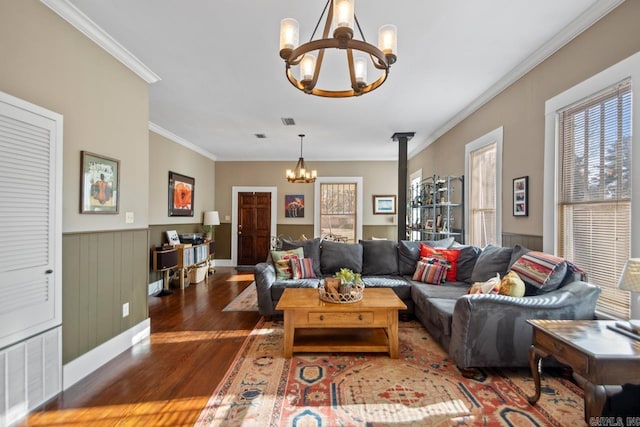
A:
(542, 271)
(302, 268)
(430, 270)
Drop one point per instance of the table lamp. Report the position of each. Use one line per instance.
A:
(630, 281)
(211, 219)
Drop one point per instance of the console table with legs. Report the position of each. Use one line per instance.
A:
(596, 353)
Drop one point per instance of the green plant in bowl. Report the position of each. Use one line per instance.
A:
(346, 275)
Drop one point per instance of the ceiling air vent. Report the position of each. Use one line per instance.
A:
(288, 121)
(260, 135)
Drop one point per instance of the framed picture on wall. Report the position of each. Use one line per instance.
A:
(294, 206)
(384, 205)
(181, 194)
(99, 184)
(521, 196)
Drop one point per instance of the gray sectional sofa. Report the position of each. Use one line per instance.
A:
(478, 330)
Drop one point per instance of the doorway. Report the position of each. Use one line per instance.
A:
(253, 224)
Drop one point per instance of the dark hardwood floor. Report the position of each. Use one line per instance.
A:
(167, 379)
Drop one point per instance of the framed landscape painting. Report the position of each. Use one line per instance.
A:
(99, 184)
(181, 194)
(384, 205)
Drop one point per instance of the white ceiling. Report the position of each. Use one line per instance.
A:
(222, 80)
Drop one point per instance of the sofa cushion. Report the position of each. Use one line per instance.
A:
(540, 272)
(439, 311)
(450, 290)
(311, 250)
(401, 287)
(492, 260)
(379, 257)
(282, 262)
(409, 253)
(279, 286)
(334, 256)
(466, 261)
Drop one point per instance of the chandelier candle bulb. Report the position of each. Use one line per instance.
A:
(343, 15)
(307, 67)
(388, 40)
(361, 71)
(289, 35)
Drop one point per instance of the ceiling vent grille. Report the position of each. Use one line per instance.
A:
(260, 135)
(288, 121)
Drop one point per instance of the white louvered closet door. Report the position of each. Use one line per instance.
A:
(30, 223)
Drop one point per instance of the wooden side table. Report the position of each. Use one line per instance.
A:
(599, 355)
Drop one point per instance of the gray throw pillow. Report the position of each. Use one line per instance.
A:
(518, 251)
(492, 260)
(311, 249)
(334, 256)
(466, 261)
(379, 257)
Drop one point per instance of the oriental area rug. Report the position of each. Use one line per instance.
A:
(246, 301)
(421, 388)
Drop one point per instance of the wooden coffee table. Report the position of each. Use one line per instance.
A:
(599, 355)
(313, 325)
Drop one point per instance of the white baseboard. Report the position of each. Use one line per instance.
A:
(82, 366)
(224, 263)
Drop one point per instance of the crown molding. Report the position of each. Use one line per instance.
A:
(86, 26)
(589, 17)
(178, 140)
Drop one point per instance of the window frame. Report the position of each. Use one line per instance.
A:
(495, 136)
(627, 68)
(358, 180)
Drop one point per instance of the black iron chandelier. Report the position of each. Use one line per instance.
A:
(341, 14)
(301, 175)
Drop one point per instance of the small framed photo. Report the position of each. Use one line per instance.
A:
(521, 196)
(99, 184)
(181, 194)
(172, 237)
(428, 225)
(294, 206)
(384, 205)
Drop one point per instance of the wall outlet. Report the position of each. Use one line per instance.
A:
(227, 218)
(125, 309)
(128, 217)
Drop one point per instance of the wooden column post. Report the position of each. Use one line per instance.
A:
(402, 138)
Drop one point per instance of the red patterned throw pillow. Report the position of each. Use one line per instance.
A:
(450, 255)
(430, 270)
(542, 271)
(302, 268)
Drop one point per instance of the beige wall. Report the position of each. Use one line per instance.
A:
(378, 178)
(520, 110)
(164, 156)
(105, 106)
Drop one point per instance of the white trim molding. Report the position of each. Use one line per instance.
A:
(179, 140)
(496, 136)
(234, 217)
(83, 365)
(86, 26)
(589, 17)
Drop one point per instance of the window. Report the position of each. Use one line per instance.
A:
(594, 204)
(483, 170)
(339, 209)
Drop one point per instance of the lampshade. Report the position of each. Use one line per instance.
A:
(211, 218)
(630, 279)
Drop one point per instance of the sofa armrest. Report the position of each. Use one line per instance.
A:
(265, 276)
(491, 330)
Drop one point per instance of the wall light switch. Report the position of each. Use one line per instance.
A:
(227, 218)
(128, 217)
(125, 309)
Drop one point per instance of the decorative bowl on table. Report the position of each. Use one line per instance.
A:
(346, 287)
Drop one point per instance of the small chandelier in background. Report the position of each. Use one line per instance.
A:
(301, 175)
(342, 15)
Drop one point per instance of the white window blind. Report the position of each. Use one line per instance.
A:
(595, 191)
(482, 198)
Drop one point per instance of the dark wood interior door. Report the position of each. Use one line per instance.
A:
(254, 227)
